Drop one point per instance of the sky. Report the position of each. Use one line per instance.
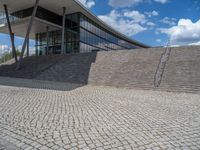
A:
(153, 22)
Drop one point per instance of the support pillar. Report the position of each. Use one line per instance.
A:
(13, 39)
(28, 33)
(11, 33)
(63, 32)
(47, 49)
(27, 47)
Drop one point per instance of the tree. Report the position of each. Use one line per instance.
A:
(8, 56)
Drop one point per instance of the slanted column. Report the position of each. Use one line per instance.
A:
(63, 32)
(27, 47)
(10, 33)
(13, 39)
(28, 33)
(47, 38)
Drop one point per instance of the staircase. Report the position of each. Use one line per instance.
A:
(73, 69)
(182, 72)
(31, 66)
(136, 69)
(127, 69)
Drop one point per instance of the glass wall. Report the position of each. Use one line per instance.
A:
(54, 43)
(72, 33)
(81, 35)
(55, 38)
(94, 35)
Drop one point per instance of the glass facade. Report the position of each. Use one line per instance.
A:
(55, 38)
(100, 39)
(82, 35)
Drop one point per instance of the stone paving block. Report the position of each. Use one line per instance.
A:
(97, 117)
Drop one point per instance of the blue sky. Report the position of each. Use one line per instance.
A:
(152, 22)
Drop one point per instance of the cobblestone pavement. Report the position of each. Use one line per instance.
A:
(92, 117)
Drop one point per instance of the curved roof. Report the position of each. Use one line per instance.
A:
(55, 6)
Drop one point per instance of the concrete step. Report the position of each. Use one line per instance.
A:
(73, 70)
(128, 68)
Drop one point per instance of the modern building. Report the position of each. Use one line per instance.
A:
(60, 26)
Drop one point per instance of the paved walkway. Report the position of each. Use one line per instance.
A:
(92, 117)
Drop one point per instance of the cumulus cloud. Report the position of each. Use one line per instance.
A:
(197, 43)
(158, 40)
(136, 16)
(161, 1)
(151, 24)
(4, 48)
(87, 3)
(169, 21)
(152, 13)
(123, 3)
(129, 3)
(128, 23)
(184, 33)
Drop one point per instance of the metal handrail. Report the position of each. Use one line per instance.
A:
(161, 66)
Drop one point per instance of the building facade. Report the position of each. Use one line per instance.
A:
(75, 32)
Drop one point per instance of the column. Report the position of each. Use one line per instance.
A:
(13, 39)
(28, 33)
(63, 32)
(27, 47)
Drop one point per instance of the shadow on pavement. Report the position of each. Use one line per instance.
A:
(38, 84)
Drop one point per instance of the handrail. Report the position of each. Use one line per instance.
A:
(161, 66)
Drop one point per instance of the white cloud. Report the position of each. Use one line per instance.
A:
(4, 48)
(197, 43)
(88, 3)
(129, 3)
(152, 13)
(169, 21)
(151, 24)
(123, 3)
(161, 1)
(136, 16)
(158, 40)
(184, 33)
(128, 23)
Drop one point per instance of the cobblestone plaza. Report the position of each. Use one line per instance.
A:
(36, 115)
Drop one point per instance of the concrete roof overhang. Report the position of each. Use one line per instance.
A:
(55, 6)
(19, 27)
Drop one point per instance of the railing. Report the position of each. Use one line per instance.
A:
(161, 66)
